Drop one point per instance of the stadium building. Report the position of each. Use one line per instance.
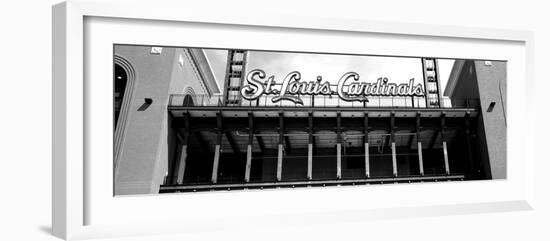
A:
(179, 129)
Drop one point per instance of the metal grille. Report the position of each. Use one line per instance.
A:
(236, 62)
(431, 82)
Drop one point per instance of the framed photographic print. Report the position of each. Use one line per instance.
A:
(167, 122)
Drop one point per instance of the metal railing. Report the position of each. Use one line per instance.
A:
(179, 100)
(167, 188)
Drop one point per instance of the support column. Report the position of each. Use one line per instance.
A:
(248, 163)
(310, 149)
(339, 160)
(420, 158)
(445, 156)
(394, 159)
(447, 171)
(217, 150)
(249, 147)
(280, 162)
(182, 163)
(366, 141)
(280, 153)
(215, 166)
(338, 146)
(393, 151)
(183, 151)
(367, 162)
(309, 161)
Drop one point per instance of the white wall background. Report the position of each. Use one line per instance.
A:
(25, 120)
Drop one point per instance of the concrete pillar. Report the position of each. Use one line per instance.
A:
(445, 157)
(217, 151)
(248, 163)
(309, 161)
(367, 162)
(215, 166)
(338, 146)
(249, 147)
(366, 141)
(280, 163)
(420, 160)
(420, 157)
(182, 162)
(447, 171)
(338, 160)
(492, 81)
(392, 136)
(394, 159)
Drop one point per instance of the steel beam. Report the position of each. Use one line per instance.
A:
(217, 150)
(444, 143)
(249, 147)
(392, 137)
(366, 143)
(310, 147)
(339, 145)
(280, 151)
(419, 145)
(280, 163)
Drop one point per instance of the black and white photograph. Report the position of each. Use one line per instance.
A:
(139, 120)
(189, 119)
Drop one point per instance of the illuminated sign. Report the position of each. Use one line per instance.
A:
(349, 87)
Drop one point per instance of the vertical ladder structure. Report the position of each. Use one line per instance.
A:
(431, 82)
(234, 77)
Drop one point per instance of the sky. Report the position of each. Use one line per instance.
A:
(330, 66)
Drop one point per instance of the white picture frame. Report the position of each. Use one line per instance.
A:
(75, 203)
